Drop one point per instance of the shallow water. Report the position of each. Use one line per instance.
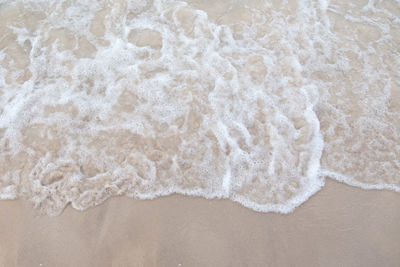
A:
(257, 102)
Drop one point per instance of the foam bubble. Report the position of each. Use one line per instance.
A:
(254, 102)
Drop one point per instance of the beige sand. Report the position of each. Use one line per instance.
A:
(339, 226)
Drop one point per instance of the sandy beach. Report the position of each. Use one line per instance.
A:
(103, 103)
(340, 226)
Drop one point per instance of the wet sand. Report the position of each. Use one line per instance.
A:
(339, 226)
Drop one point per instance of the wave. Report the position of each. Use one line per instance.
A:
(252, 101)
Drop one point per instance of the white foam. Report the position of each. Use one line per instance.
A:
(256, 103)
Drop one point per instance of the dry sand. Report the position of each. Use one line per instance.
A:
(339, 226)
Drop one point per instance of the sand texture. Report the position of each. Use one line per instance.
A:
(340, 226)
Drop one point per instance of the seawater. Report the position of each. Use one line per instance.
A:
(255, 101)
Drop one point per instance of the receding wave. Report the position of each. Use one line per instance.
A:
(255, 101)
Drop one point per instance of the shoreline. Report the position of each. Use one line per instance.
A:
(341, 225)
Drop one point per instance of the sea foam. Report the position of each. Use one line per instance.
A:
(254, 101)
